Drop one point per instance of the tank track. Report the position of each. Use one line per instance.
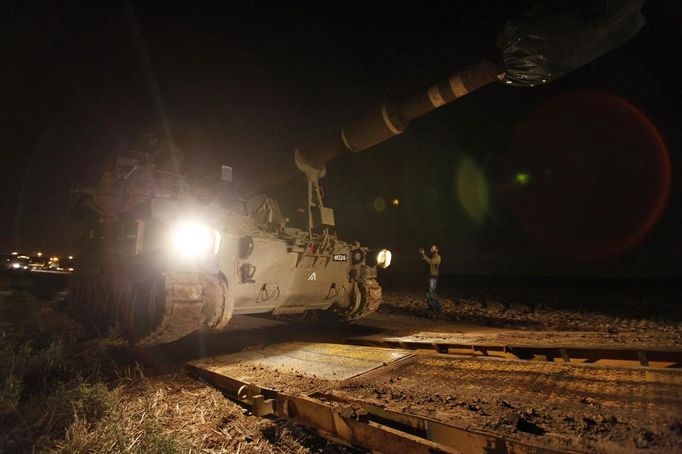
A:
(367, 300)
(145, 312)
(181, 318)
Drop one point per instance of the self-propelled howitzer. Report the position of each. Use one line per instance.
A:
(166, 255)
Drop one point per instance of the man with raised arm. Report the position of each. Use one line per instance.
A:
(433, 262)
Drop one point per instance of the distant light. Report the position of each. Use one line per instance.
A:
(522, 178)
(40, 254)
(16, 265)
(70, 269)
(71, 257)
(15, 253)
(395, 202)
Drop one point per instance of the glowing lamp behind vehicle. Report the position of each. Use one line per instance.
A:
(194, 240)
(383, 258)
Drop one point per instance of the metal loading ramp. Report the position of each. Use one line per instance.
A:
(603, 354)
(327, 362)
(350, 393)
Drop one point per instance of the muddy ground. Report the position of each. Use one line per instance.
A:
(563, 406)
(149, 404)
(621, 310)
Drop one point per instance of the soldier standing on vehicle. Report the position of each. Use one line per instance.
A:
(433, 262)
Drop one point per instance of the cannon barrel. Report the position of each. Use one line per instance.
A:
(392, 118)
(534, 49)
(379, 124)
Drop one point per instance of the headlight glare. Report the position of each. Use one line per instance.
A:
(193, 240)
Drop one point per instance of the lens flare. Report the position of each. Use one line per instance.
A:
(600, 174)
(379, 204)
(522, 178)
(472, 190)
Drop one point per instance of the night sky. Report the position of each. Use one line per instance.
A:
(564, 179)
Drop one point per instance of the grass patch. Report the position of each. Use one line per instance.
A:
(109, 436)
(65, 393)
(68, 398)
(60, 392)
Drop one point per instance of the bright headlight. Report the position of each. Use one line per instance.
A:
(383, 258)
(195, 240)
